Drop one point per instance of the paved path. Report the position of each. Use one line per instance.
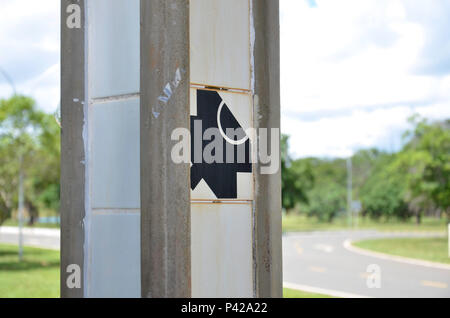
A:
(318, 261)
(45, 238)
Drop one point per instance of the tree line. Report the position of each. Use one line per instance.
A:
(412, 182)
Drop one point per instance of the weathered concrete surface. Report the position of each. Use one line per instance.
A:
(165, 196)
(268, 251)
(72, 148)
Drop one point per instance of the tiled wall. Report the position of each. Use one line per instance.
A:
(222, 230)
(113, 218)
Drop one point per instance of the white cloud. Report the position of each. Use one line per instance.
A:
(349, 65)
(29, 49)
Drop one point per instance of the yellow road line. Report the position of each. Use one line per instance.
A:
(298, 248)
(317, 269)
(429, 283)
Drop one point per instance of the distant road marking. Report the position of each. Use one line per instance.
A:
(429, 283)
(324, 248)
(364, 275)
(317, 269)
(348, 245)
(323, 291)
(298, 248)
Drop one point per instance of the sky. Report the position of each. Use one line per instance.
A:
(29, 50)
(352, 71)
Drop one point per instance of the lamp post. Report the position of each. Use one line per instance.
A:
(349, 192)
(21, 194)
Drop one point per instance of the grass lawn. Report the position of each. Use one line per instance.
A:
(429, 249)
(300, 223)
(292, 293)
(36, 276)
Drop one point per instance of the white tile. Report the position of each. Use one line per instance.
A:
(240, 106)
(113, 47)
(114, 264)
(115, 170)
(220, 43)
(221, 249)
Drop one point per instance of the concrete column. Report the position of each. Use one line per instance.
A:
(100, 147)
(165, 201)
(266, 100)
(72, 150)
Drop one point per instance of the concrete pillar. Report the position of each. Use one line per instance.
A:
(266, 98)
(72, 150)
(165, 206)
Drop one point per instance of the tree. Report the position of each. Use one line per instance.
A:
(425, 161)
(383, 194)
(29, 144)
(296, 178)
(363, 164)
(327, 200)
(327, 196)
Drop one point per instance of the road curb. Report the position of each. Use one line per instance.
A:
(411, 261)
(323, 291)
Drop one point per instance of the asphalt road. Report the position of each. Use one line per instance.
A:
(318, 261)
(45, 238)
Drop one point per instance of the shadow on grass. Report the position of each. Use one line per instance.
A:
(33, 259)
(29, 252)
(8, 253)
(27, 265)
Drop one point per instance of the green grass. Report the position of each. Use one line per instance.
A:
(301, 223)
(292, 293)
(429, 249)
(36, 276)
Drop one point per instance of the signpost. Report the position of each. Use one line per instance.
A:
(135, 222)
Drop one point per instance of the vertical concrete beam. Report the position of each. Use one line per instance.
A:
(165, 186)
(266, 53)
(72, 148)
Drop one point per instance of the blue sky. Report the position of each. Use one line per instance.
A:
(352, 71)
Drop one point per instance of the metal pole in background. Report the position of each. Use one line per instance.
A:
(20, 208)
(20, 211)
(349, 192)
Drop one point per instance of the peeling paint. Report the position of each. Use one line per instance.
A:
(168, 91)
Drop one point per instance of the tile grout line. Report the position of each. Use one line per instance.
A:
(114, 98)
